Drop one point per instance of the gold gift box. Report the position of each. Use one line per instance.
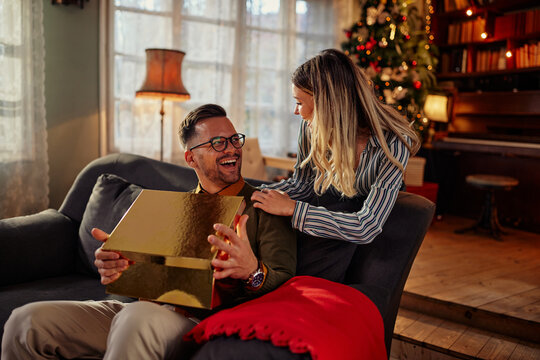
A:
(165, 234)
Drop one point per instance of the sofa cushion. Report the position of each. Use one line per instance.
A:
(322, 257)
(327, 258)
(111, 197)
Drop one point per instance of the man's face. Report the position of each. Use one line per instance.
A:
(215, 170)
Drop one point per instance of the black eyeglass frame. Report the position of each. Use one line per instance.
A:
(241, 140)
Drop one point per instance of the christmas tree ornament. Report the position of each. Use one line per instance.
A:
(386, 74)
(371, 16)
(388, 97)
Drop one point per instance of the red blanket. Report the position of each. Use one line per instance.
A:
(307, 314)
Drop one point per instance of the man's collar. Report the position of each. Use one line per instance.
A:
(229, 190)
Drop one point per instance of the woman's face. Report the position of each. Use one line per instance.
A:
(304, 104)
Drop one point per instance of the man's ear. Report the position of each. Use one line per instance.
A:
(188, 156)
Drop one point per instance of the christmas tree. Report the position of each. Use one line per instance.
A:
(392, 41)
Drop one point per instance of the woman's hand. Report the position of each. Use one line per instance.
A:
(274, 202)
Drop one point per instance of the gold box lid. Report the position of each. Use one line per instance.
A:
(171, 228)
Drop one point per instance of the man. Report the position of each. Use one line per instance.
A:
(261, 256)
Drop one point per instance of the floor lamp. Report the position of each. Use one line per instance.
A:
(163, 80)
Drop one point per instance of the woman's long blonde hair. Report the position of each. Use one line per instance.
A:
(344, 106)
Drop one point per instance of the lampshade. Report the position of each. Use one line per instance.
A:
(164, 75)
(436, 108)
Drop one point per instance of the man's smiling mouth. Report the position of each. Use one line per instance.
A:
(228, 162)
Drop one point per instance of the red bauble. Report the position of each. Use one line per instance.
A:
(407, 37)
(414, 63)
(359, 47)
(348, 34)
(417, 85)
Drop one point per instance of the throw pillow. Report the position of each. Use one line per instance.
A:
(110, 199)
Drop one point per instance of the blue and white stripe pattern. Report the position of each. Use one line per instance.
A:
(376, 177)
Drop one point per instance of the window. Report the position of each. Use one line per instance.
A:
(23, 146)
(239, 54)
(11, 63)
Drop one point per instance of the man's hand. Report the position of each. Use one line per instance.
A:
(109, 263)
(241, 262)
(274, 202)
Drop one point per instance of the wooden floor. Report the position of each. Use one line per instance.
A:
(478, 271)
(469, 296)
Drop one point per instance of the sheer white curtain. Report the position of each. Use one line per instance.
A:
(23, 144)
(239, 54)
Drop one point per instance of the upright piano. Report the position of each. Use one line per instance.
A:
(493, 133)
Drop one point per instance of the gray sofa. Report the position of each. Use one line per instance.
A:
(41, 256)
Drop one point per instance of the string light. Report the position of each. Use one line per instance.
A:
(484, 35)
(469, 12)
(508, 54)
(429, 6)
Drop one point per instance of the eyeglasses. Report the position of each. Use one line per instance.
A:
(220, 143)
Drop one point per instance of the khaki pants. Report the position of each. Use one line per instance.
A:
(95, 330)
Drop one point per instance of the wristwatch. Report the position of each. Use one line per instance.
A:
(256, 278)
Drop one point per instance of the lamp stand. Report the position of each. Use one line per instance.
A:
(162, 113)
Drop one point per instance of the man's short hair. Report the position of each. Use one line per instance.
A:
(187, 128)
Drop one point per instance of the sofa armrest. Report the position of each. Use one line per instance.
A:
(36, 247)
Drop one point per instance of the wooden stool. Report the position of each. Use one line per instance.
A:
(488, 218)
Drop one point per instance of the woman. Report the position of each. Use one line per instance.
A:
(350, 145)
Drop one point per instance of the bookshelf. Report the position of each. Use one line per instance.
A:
(485, 43)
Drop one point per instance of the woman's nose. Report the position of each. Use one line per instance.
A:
(296, 112)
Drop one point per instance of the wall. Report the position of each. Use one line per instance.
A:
(71, 92)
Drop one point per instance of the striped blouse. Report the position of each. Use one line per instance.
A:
(376, 177)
